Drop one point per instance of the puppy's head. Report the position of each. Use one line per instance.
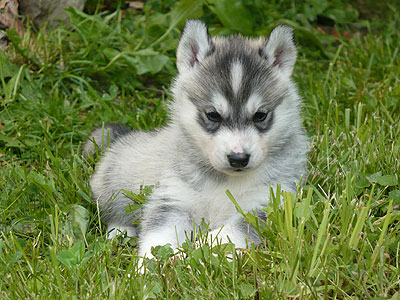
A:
(234, 96)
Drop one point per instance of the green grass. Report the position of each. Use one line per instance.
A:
(337, 238)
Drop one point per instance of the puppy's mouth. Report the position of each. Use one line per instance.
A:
(236, 171)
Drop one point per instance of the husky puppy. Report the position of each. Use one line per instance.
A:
(235, 124)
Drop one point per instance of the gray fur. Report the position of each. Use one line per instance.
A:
(235, 77)
(103, 137)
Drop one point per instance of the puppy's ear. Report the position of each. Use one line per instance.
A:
(280, 51)
(195, 44)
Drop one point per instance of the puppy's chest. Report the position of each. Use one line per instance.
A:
(215, 206)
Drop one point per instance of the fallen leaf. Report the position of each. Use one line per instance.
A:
(136, 5)
(9, 16)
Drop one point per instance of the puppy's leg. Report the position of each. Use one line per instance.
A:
(237, 231)
(114, 230)
(118, 220)
(163, 223)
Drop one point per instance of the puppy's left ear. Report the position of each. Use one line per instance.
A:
(195, 44)
(280, 51)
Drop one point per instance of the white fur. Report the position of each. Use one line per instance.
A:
(236, 76)
(173, 235)
(114, 230)
(227, 234)
(220, 104)
(254, 103)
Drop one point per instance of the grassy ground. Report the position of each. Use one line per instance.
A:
(338, 238)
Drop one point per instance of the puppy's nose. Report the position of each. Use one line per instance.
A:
(238, 160)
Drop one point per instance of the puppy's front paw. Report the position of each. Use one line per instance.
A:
(227, 234)
(114, 230)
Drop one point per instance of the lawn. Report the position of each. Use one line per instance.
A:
(337, 238)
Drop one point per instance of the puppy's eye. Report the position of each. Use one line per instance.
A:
(259, 116)
(214, 117)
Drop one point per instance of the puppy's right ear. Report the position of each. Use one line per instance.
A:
(195, 44)
(280, 50)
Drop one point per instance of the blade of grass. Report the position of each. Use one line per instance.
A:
(321, 233)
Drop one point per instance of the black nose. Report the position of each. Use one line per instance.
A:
(238, 160)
